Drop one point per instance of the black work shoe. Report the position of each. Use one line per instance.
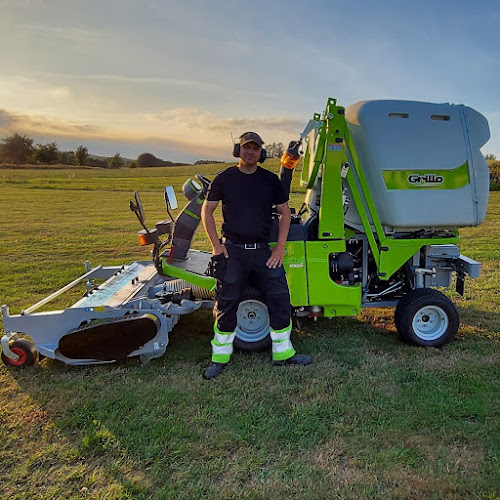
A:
(296, 359)
(214, 370)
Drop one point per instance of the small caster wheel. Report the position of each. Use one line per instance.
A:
(26, 352)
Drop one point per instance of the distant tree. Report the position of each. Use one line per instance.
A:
(490, 156)
(206, 162)
(16, 148)
(167, 163)
(149, 160)
(81, 155)
(116, 161)
(132, 164)
(46, 154)
(494, 175)
(275, 149)
(94, 161)
(67, 157)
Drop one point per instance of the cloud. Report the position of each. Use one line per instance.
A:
(27, 95)
(104, 77)
(70, 33)
(6, 119)
(39, 124)
(206, 122)
(59, 92)
(220, 89)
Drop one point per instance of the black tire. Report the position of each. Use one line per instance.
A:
(26, 352)
(252, 333)
(426, 317)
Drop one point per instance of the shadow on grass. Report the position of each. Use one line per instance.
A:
(161, 431)
(474, 320)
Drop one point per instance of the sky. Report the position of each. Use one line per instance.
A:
(177, 78)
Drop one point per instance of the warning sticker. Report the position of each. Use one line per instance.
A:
(334, 147)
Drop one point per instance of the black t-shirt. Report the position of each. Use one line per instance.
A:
(247, 201)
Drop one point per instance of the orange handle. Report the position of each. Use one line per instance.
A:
(289, 161)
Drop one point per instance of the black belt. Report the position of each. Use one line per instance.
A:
(246, 246)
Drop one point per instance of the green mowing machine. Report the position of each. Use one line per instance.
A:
(388, 185)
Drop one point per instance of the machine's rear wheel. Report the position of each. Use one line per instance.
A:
(26, 352)
(252, 329)
(426, 317)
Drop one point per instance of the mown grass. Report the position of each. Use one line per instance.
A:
(371, 418)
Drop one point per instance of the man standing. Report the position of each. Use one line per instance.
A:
(248, 193)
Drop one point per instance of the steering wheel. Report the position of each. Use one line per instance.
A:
(204, 181)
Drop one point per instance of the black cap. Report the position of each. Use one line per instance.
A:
(251, 137)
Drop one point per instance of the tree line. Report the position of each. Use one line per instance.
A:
(18, 149)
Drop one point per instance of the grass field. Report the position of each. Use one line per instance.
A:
(371, 418)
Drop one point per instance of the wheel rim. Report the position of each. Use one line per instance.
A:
(253, 321)
(22, 356)
(430, 323)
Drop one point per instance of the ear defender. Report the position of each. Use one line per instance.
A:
(263, 156)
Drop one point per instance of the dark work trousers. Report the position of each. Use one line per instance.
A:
(243, 266)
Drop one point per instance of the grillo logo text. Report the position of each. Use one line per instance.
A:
(425, 179)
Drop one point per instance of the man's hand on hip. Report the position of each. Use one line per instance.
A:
(218, 249)
(276, 259)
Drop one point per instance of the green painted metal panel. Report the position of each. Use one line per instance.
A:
(399, 251)
(336, 299)
(352, 302)
(296, 272)
(331, 212)
(427, 179)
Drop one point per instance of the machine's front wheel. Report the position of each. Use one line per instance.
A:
(426, 317)
(26, 352)
(252, 329)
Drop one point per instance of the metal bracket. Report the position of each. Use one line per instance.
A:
(186, 307)
(419, 276)
(468, 266)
